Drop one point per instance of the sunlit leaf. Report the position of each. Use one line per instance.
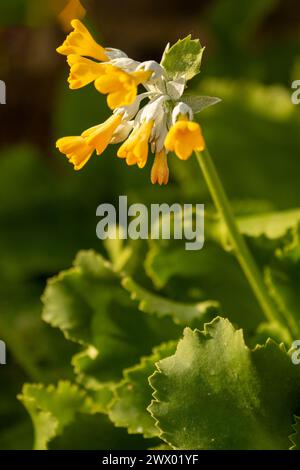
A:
(133, 395)
(215, 393)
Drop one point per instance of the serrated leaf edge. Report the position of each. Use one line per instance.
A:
(294, 434)
(205, 333)
(126, 379)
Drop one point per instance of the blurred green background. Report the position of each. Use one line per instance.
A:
(47, 210)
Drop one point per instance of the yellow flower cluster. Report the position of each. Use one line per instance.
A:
(165, 125)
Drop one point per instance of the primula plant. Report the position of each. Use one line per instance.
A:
(162, 362)
(161, 116)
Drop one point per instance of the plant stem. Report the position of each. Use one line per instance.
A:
(237, 241)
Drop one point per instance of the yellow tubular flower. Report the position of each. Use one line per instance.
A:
(160, 169)
(73, 9)
(76, 149)
(184, 138)
(120, 86)
(80, 42)
(100, 136)
(135, 149)
(83, 71)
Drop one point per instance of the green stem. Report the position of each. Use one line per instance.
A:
(237, 241)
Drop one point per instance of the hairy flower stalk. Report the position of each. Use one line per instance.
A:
(240, 247)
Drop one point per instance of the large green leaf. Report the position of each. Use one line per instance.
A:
(271, 224)
(133, 395)
(53, 408)
(181, 313)
(64, 417)
(295, 437)
(91, 308)
(210, 273)
(267, 232)
(215, 393)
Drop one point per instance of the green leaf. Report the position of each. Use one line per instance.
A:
(283, 288)
(289, 253)
(282, 277)
(133, 395)
(202, 275)
(270, 231)
(273, 225)
(295, 437)
(198, 103)
(64, 417)
(53, 408)
(183, 314)
(183, 59)
(215, 393)
(91, 307)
